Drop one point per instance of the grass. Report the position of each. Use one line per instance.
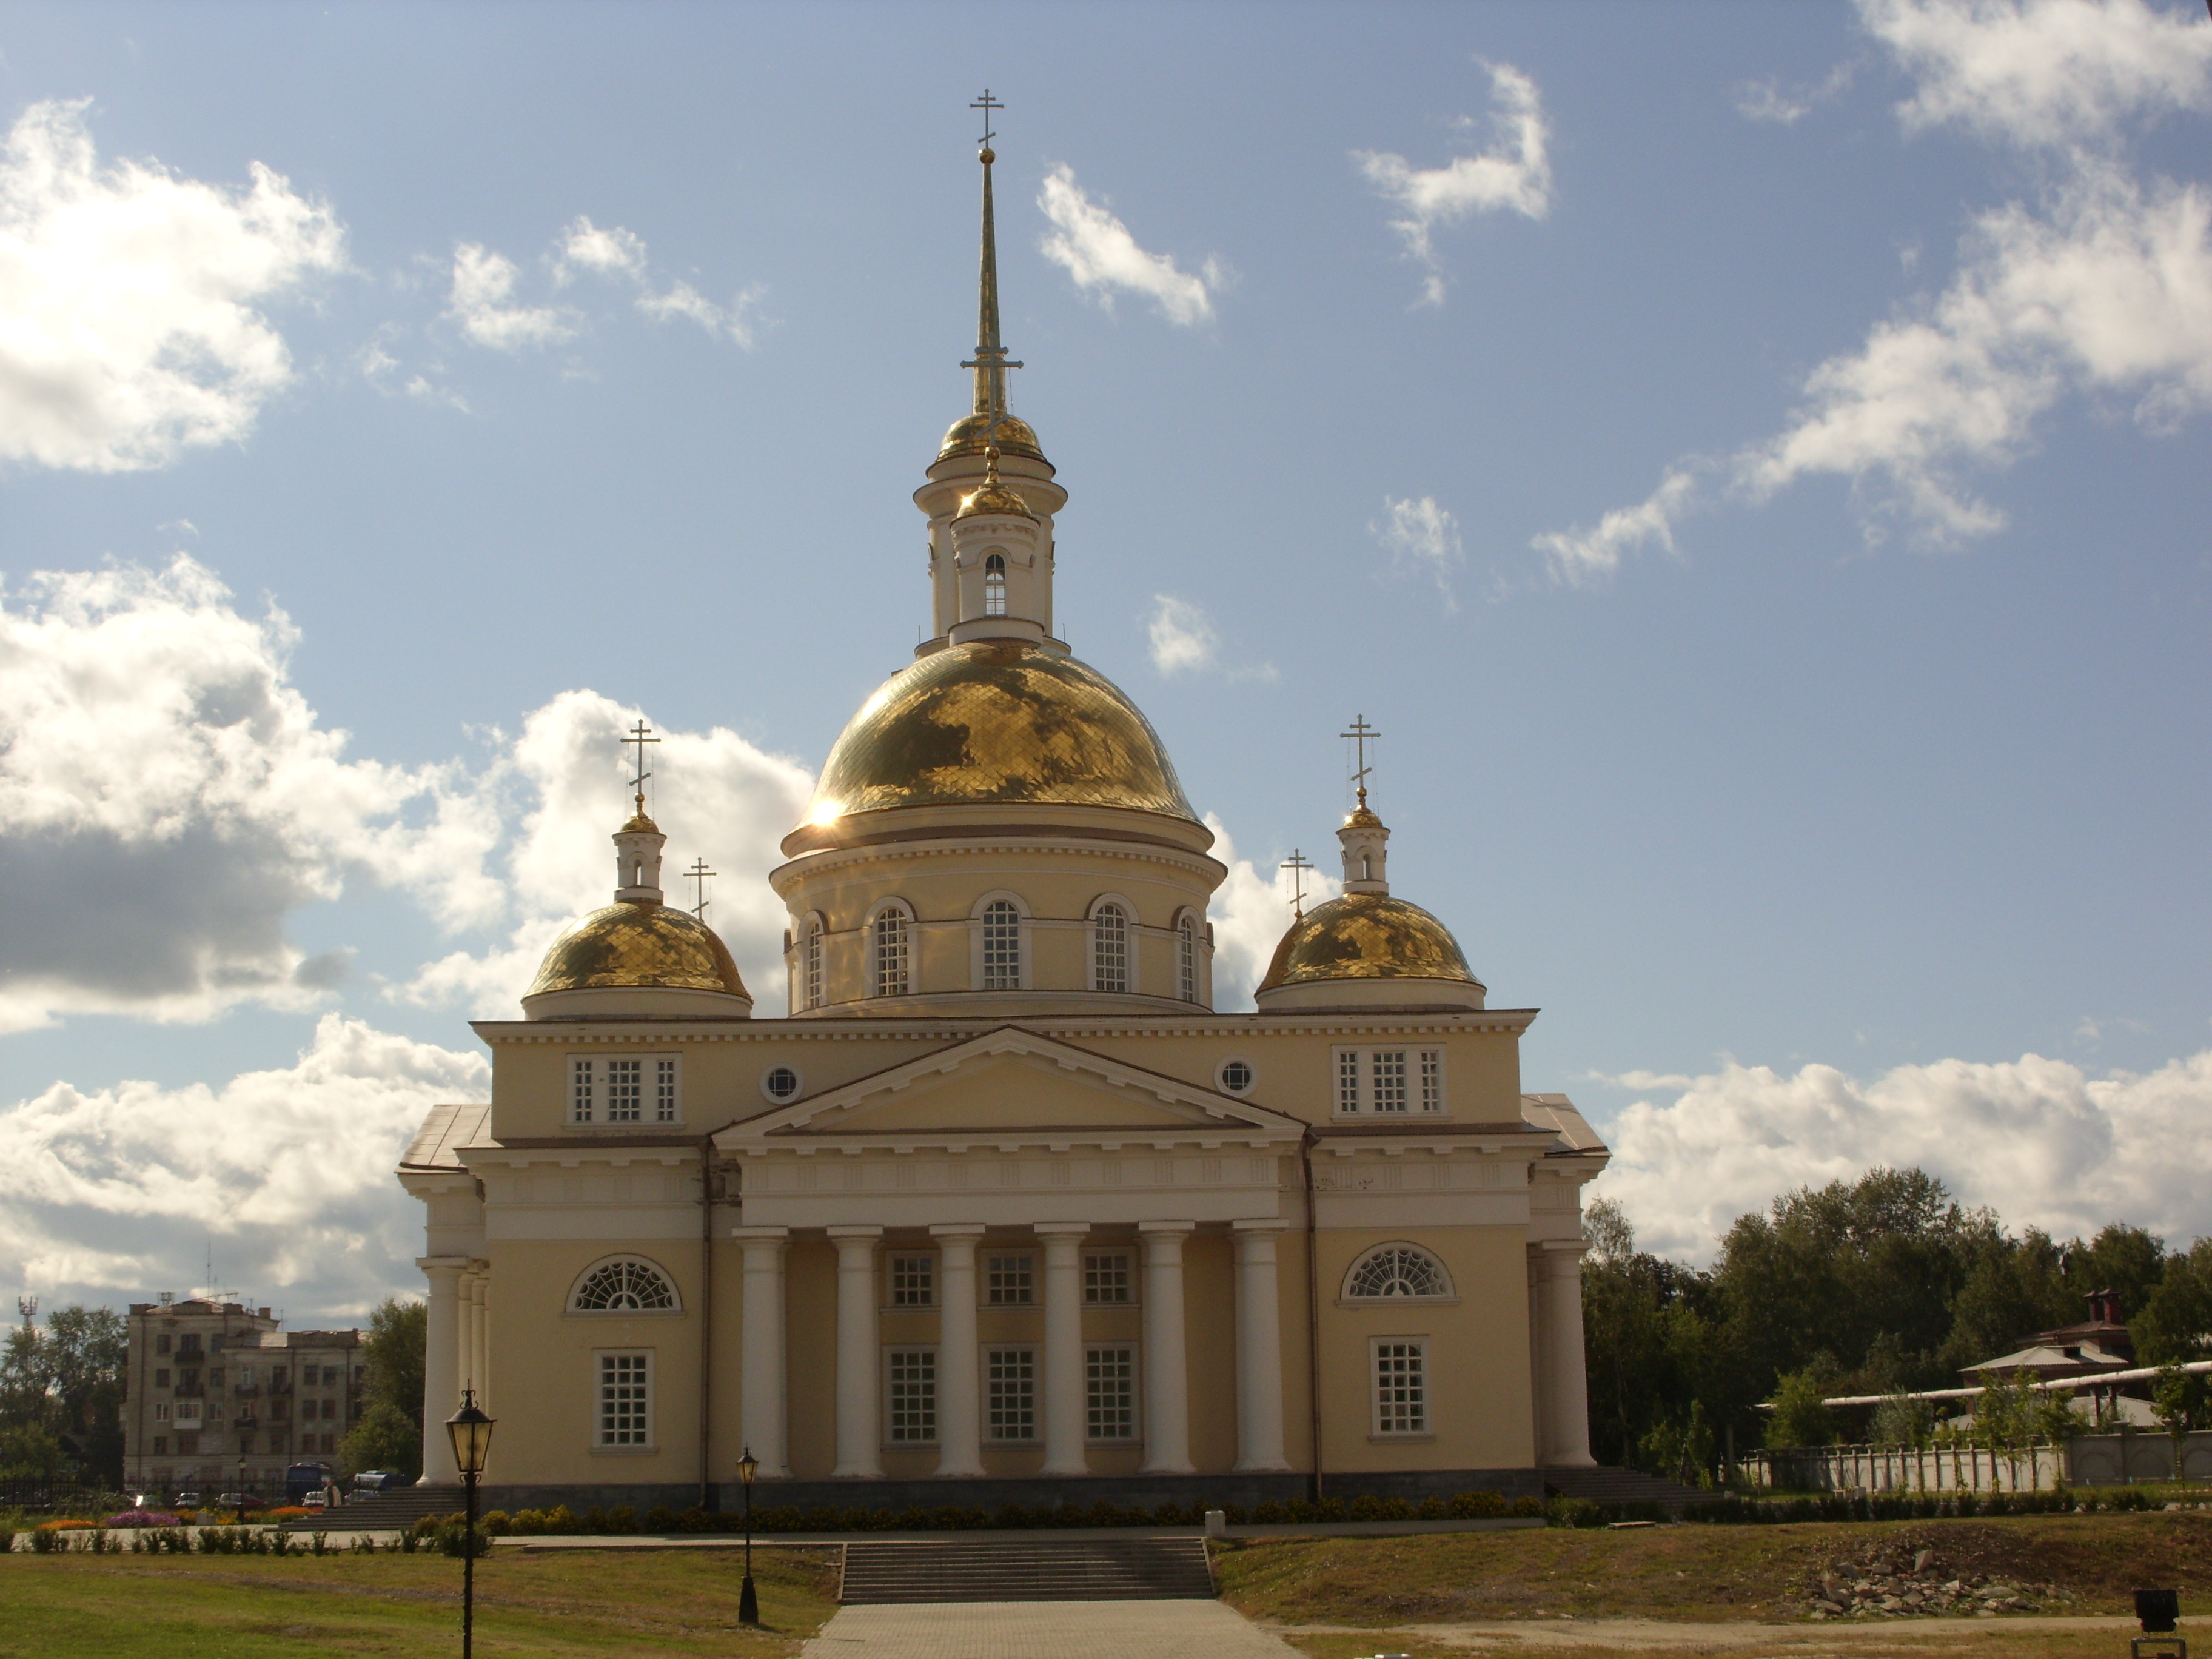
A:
(572, 1605)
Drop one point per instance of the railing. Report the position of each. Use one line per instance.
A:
(2036, 1468)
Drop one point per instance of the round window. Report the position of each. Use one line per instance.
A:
(1236, 1075)
(781, 1083)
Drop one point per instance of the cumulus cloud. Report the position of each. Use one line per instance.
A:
(1185, 640)
(611, 252)
(1423, 538)
(482, 301)
(1766, 101)
(1514, 174)
(563, 785)
(1096, 249)
(2038, 1140)
(288, 1170)
(1250, 912)
(132, 319)
(2100, 287)
(167, 797)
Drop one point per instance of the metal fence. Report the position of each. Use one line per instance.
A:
(2088, 1460)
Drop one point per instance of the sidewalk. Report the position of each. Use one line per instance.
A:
(1064, 1630)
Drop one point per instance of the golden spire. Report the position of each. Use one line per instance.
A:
(990, 362)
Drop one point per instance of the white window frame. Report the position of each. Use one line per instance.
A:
(893, 1290)
(1134, 1398)
(1353, 1078)
(769, 1095)
(1103, 976)
(995, 583)
(1035, 1405)
(605, 1375)
(1345, 1298)
(592, 1083)
(665, 1083)
(892, 1355)
(1023, 955)
(1129, 1276)
(1378, 1349)
(626, 1258)
(811, 969)
(1185, 937)
(1221, 1076)
(623, 1078)
(901, 983)
(160, 1411)
(1028, 1259)
(583, 1089)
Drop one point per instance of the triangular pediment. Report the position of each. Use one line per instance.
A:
(1006, 1081)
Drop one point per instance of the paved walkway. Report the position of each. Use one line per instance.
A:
(1063, 1629)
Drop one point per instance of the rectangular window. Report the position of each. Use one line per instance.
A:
(246, 1376)
(625, 1091)
(1007, 1281)
(1110, 1378)
(1389, 1071)
(581, 1079)
(1002, 946)
(188, 1413)
(1432, 1079)
(1402, 1395)
(913, 1395)
(625, 1416)
(1011, 1406)
(913, 1281)
(1347, 1080)
(1106, 1277)
(663, 1092)
(160, 1411)
(890, 954)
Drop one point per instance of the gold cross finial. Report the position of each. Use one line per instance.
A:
(698, 873)
(1361, 734)
(1298, 864)
(990, 362)
(640, 735)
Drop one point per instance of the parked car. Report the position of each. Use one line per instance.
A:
(314, 1500)
(242, 1503)
(374, 1480)
(189, 1500)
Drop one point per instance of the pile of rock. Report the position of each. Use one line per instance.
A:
(1918, 1586)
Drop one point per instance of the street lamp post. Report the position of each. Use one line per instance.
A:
(748, 1600)
(471, 1432)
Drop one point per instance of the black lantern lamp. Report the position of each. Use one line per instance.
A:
(471, 1434)
(747, 1599)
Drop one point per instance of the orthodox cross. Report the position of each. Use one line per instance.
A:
(638, 735)
(698, 873)
(986, 104)
(1298, 864)
(1362, 734)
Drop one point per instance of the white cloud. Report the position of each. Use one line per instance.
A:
(612, 251)
(1422, 536)
(1183, 636)
(1588, 555)
(1250, 912)
(1766, 101)
(482, 301)
(2047, 72)
(2037, 1140)
(2100, 288)
(1514, 174)
(132, 325)
(288, 1170)
(1098, 250)
(167, 797)
(563, 784)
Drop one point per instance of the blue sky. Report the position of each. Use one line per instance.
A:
(1748, 460)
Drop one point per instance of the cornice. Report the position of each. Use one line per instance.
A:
(833, 1029)
(808, 866)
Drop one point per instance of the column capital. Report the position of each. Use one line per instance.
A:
(1554, 1249)
(441, 1264)
(845, 1235)
(1167, 1226)
(1060, 1229)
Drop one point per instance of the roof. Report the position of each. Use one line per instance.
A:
(1563, 1118)
(2043, 1356)
(436, 1144)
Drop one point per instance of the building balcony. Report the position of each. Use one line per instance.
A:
(190, 1391)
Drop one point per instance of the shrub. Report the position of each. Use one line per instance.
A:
(7, 1539)
(496, 1524)
(45, 1540)
(661, 1518)
(1574, 1512)
(1526, 1506)
(1478, 1506)
(318, 1543)
(453, 1538)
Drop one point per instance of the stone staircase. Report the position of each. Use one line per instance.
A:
(388, 1511)
(1611, 1486)
(1137, 1569)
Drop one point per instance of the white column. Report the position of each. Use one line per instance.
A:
(1568, 1414)
(1167, 1387)
(1539, 1354)
(760, 1404)
(1259, 1350)
(479, 1367)
(1063, 1390)
(959, 1384)
(441, 1366)
(860, 1425)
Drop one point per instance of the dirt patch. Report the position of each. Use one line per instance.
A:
(1918, 1572)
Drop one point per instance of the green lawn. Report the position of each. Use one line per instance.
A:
(607, 1604)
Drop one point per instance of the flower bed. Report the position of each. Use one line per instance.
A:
(144, 1518)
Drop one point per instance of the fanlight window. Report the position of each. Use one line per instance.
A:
(994, 586)
(1400, 1270)
(624, 1286)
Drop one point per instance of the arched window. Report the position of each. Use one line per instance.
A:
(814, 965)
(1002, 946)
(1367, 866)
(1396, 1270)
(994, 586)
(623, 1284)
(1110, 949)
(1186, 958)
(892, 953)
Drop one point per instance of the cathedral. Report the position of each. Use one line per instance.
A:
(999, 1208)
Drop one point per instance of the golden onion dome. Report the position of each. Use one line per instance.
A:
(992, 497)
(998, 721)
(1366, 936)
(971, 435)
(630, 946)
(1362, 817)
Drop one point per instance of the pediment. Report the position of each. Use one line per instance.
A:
(1009, 1081)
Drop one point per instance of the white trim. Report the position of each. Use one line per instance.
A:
(872, 947)
(1346, 1299)
(1024, 966)
(1251, 1082)
(649, 1384)
(1036, 1437)
(576, 1285)
(1419, 1343)
(924, 1252)
(936, 1437)
(1135, 1351)
(785, 1099)
(1413, 1086)
(1132, 933)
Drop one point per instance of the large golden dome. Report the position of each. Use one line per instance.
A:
(998, 721)
(1366, 936)
(632, 946)
(971, 435)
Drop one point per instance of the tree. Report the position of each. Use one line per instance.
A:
(386, 1439)
(2176, 1400)
(398, 1334)
(2175, 1322)
(61, 1396)
(1800, 1419)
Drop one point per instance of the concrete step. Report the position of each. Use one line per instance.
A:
(388, 1511)
(1611, 1486)
(1045, 1570)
